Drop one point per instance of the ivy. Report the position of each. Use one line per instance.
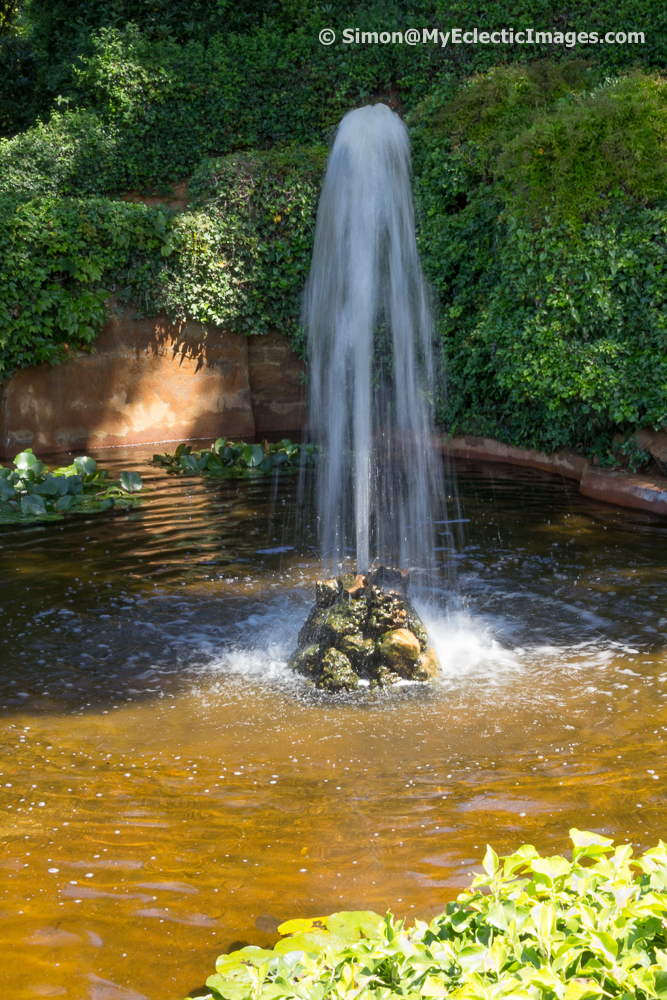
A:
(61, 261)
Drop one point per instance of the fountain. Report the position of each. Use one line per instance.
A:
(368, 319)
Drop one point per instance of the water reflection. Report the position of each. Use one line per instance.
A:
(168, 789)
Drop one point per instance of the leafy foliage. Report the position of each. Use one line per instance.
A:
(60, 260)
(555, 139)
(553, 324)
(230, 460)
(244, 250)
(529, 928)
(29, 492)
(239, 259)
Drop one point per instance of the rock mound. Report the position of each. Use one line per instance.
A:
(363, 627)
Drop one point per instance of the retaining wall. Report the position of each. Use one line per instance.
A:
(154, 381)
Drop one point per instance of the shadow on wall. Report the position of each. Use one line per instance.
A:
(150, 380)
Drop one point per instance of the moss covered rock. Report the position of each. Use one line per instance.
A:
(399, 650)
(363, 627)
(337, 673)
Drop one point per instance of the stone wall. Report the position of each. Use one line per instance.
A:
(153, 381)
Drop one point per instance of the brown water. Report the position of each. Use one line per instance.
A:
(169, 790)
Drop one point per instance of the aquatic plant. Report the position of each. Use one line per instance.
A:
(233, 460)
(529, 928)
(30, 492)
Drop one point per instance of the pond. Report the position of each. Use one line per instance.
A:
(169, 789)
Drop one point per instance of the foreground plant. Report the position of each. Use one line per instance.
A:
(529, 928)
(227, 459)
(30, 492)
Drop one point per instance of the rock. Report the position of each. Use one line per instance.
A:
(388, 611)
(391, 579)
(427, 666)
(313, 626)
(415, 625)
(306, 660)
(327, 592)
(337, 673)
(346, 618)
(399, 650)
(384, 677)
(354, 585)
(358, 629)
(359, 650)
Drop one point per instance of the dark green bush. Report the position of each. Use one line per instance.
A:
(239, 259)
(244, 250)
(555, 329)
(61, 259)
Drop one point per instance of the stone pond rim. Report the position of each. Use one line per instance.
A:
(364, 628)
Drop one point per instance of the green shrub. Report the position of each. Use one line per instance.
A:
(554, 140)
(530, 928)
(61, 259)
(239, 259)
(244, 250)
(553, 285)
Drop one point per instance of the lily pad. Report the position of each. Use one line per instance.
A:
(253, 455)
(131, 482)
(85, 466)
(31, 503)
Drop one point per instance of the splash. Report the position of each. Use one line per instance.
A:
(368, 318)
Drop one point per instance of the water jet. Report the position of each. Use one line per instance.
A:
(368, 320)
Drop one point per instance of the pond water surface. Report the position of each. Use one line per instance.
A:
(168, 789)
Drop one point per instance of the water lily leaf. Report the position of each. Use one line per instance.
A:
(63, 503)
(4, 472)
(32, 504)
(179, 451)
(266, 464)
(301, 925)
(84, 465)
(219, 445)
(74, 485)
(312, 942)
(26, 459)
(49, 488)
(355, 925)
(62, 484)
(131, 482)
(241, 959)
(253, 455)
(6, 490)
